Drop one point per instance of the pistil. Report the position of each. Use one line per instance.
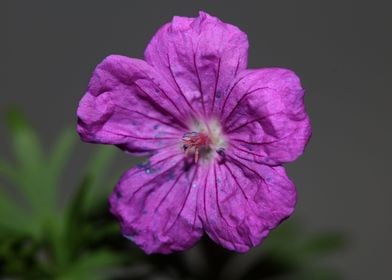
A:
(194, 141)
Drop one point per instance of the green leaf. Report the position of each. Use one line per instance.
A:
(56, 163)
(25, 144)
(31, 177)
(106, 230)
(13, 218)
(61, 152)
(72, 227)
(93, 265)
(74, 210)
(9, 173)
(98, 190)
(70, 234)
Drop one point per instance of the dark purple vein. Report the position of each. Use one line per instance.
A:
(220, 210)
(178, 86)
(149, 117)
(160, 107)
(231, 90)
(185, 200)
(216, 86)
(200, 85)
(242, 99)
(252, 121)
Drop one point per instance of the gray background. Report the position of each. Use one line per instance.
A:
(341, 50)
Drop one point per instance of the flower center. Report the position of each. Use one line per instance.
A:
(205, 140)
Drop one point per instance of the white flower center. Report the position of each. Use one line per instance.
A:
(205, 140)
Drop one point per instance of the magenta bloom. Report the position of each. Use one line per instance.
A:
(217, 133)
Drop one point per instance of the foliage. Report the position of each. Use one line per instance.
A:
(80, 240)
(38, 238)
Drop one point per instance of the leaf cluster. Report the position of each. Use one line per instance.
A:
(40, 238)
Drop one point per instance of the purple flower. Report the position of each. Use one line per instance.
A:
(217, 133)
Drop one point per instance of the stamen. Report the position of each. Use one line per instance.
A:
(194, 141)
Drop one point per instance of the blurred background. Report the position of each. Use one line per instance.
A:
(54, 222)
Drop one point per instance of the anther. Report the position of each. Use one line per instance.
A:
(194, 141)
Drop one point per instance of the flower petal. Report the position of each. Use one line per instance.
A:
(199, 57)
(243, 203)
(129, 105)
(157, 206)
(265, 117)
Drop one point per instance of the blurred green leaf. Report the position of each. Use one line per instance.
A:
(30, 167)
(53, 241)
(56, 164)
(57, 161)
(25, 144)
(13, 218)
(61, 151)
(76, 228)
(105, 231)
(93, 265)
(68, 235)
(98, 188)
(74, 216)
(9, 173)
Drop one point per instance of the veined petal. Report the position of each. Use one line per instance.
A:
(129, 105)
(156, 204)
(264, 116)
(199, 57)
(242, 203)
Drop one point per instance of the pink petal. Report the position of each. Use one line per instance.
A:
(129, 105)
(157, 204)
(200, 57)
(265, 117)
(242, 203)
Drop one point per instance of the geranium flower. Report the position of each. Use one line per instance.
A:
(217, 134)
